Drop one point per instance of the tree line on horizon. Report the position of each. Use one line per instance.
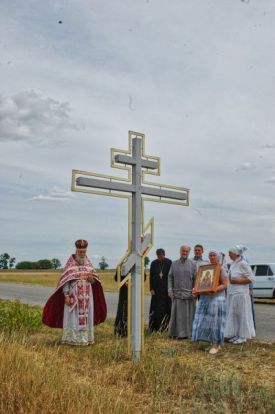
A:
(8, 262)
(39, 264)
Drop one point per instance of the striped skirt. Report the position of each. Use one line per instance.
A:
(210, 317)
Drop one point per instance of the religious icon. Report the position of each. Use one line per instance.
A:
(207, 279)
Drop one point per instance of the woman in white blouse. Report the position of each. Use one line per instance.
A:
(239, 323)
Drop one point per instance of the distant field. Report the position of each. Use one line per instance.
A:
(50, 278)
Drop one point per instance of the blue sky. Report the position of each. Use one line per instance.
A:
(197, 77)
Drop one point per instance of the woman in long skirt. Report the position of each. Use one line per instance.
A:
(239, 321)
(209, 320)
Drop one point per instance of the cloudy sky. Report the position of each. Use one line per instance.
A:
(196, 76)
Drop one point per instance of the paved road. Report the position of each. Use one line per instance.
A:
(37, 295)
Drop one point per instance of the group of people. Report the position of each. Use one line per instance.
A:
(212, 315)
(78, 302)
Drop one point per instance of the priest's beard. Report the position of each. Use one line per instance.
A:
(80, 260)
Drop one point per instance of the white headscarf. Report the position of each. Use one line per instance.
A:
(239, 250)
(221, 258)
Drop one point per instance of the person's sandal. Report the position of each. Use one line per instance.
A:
(231, 340)
(214, 351)
(239, 341)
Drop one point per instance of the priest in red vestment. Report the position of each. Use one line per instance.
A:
(78, 302)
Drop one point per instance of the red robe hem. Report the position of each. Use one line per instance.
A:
(54, 309)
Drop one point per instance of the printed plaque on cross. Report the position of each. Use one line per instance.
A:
(137, 190)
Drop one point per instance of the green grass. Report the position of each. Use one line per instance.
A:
(15, 316)
(39, 375)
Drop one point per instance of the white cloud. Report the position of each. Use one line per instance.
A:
(269, 146)
(54, 195)
(246, 166)
(193, 76)
(271, 180)
(30, 117)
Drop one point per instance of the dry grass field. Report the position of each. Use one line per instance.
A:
(50, 278)
(265, 300)
(39, 375)
(35, 277)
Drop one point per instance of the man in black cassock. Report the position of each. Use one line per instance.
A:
(160, 308)
(120, 326)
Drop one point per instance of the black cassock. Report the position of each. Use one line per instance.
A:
(120, 327)
(160, 308)
(122, 311)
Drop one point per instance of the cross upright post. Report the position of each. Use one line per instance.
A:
(137, 163)
(136, 285)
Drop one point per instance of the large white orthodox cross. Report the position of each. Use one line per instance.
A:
(137, 190)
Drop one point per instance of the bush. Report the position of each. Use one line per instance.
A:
(27, 265)
(16, 316)
(45, 264)
(40, 264)
(103, 264)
